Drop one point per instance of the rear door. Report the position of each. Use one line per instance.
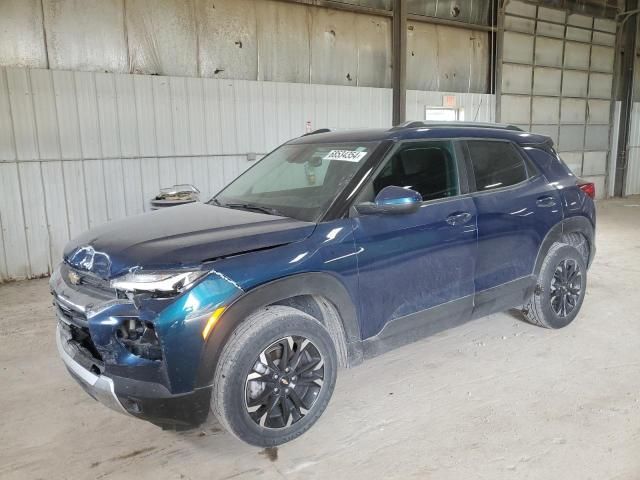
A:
(516, 207)
(417, 269)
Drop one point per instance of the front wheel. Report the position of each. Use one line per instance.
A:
(275, 376)
(562, 283)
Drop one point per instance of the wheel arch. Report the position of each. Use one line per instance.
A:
(559, 232)
(319, 294)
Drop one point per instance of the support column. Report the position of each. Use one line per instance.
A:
(625, 94)
(399, 61)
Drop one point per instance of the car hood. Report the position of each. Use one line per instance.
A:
(179, 236)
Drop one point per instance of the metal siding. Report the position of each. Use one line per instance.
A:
(132, 184)
(55, 204)
(163, 115)
(107, 115)
(95, 188)
(67, 111)
(35, 217)
(334, 59)
(227, 116)
(161, 37)
(180, 116)
(126, 115)
(22, 34)
(114, 188)
(227, 39)
(13, 226)
(150, 173)
(24, 130)
(75, 191)
(86, 35)
(572, 65)
(374, 51)
(145, 115)
(45, 114)
(197, 126)
(7, 145)
(632, 184)
(87, 102)
(283, 36)
(213, 121)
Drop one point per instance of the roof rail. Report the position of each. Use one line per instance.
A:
(428, 124)
(320, 130)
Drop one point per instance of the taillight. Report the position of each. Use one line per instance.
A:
(587, 187)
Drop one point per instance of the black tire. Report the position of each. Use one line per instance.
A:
(267, 330)
(546, 307)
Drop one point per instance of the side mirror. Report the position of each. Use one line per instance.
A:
(392, 200)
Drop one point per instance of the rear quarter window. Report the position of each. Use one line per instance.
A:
(496, 164)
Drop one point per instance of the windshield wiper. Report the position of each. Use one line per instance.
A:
(251, 206)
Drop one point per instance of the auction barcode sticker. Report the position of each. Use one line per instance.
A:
(345, 155)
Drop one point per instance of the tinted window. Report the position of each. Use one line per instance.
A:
(496, 164)
(429, 169)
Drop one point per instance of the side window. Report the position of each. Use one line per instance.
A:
(496, 164)
(428, 168)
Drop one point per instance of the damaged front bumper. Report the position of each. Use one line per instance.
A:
(90, 343)
(98, 386)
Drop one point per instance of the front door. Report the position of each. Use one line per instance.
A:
(416, 270)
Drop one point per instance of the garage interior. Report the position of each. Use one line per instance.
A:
(105, 102)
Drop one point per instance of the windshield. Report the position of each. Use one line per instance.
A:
(298, 181)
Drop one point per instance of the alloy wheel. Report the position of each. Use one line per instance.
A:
(284, 382)
(566, 287)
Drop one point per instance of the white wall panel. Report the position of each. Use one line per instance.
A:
(632, 184)
(87, 102)
(86, 35)
(67, 111)
(7, 145)
(24, 126)
(548, 52)
(546, 81)
(45, 114)
(35, 217)
(22, 34)
(94, 147)
(14, 237)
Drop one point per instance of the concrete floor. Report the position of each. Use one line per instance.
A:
(491, 399)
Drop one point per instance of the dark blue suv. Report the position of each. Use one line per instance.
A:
(334, 248)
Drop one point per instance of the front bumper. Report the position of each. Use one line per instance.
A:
(160, 391)
(99, 387)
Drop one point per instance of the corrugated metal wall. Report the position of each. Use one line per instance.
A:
(632, 184)
(242, 39)
(78, 149)
(557, 79)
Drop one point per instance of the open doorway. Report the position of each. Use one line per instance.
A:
(443, 114)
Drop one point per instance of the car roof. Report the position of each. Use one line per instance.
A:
(416, 130)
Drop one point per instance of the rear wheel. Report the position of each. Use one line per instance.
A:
(275, 376)
(561, 288)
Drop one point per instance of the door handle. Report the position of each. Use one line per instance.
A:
(458, 218)
(546, 202)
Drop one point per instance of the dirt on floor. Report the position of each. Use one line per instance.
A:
(495, 398)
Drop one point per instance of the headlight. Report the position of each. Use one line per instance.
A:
(163, 282)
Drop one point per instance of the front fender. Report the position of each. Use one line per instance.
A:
(312, 283)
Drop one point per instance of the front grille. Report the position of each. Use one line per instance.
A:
(69, 315)
(80, 338)
(76, 328)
